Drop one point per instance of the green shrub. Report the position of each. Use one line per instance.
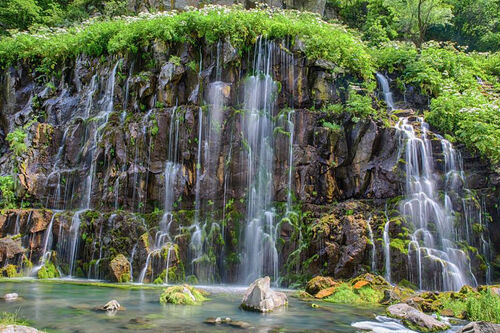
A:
(7, 318)
(483, 307)
(7, 190)
(16, 141)
(48, 271)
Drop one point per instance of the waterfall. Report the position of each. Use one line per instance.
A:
(259, 255)
(107, 105)
(374, 248)
(196, 241)
(384, 84)
(75, 239)
(47, 244)
(291, 130)
(440, 265)
(387, 248)
(171, 174)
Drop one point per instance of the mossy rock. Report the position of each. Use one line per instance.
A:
(9, 271)
(372, 279)
(318, 283)
(183, 295)
(48, 271)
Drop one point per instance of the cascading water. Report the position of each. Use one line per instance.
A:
(171, 174)
(387, 248)
(259, 254)
(386, 90)
(435, 261)
(291, 130)
(374, 247)
(68, 247)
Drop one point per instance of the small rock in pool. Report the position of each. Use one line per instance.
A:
(217, 321)
(111, 306)
(227, 321)
(138, 320)
(10, 297)
(239, 324)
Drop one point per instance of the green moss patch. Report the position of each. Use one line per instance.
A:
(346, 294)
(48, 271)
(183, 295)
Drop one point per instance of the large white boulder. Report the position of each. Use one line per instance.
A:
(259, 297)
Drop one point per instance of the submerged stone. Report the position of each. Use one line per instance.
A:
(259, 297)
(10, 297)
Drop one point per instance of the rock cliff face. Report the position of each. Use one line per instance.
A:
(120, 160)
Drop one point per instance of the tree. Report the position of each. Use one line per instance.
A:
(19, 14)
(414, 17)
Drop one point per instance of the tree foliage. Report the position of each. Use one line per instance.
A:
(414, 17)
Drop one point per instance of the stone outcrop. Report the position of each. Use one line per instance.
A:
(261, 298)
(10, 248)
(120, 267)
(416, 319)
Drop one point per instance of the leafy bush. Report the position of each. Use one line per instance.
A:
(484, 307)
(473, 306)
(16, 141)
(48, 271)
(472, 118)
(7, 190)
(359, 105)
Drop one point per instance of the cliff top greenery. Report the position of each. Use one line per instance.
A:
(120, 35)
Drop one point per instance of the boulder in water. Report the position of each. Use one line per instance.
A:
(415, 319)
(259, 297)
(112, 306)
(10, 297)
(120, 267)
(183, 294)
(480, 327)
